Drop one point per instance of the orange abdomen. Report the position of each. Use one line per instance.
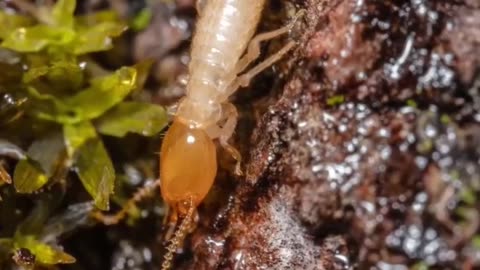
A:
(188, 165)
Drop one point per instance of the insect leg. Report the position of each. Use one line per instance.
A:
(253, 50)
(225, 132)
(244, 79)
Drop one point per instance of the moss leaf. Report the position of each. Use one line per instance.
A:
(62, 75)
(143, 70)
(28, 176)
(44, 253)
(36, 38)
(141, 118)
(97, 38)
(10, 22)
(44, 157)
(92, 19)
(95, 170)
(76, 135)
(475, 242)
(142, 19)
(103, 94)
(48, 151)
(62, 13)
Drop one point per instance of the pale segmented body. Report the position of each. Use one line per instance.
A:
(222, 34)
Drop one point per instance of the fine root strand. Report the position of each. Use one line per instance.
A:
(140, 194)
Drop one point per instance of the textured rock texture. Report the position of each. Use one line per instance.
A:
(365, 154)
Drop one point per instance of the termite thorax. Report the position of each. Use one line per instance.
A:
(199, 113)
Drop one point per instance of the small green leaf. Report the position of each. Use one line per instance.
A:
(445, 119)
(97, 38)
(335, 100)
(103, 94)
(412, 103)
(44, 253)
(92, 19)
(141, 20)
(468, 196)
(62, 13)
(59, 78)
(35, 73)
(44, 157)
(36, 38)
(143, 70)
(476, 242)
(95, 170)
(76, 135)
(142, 118)
(420, 266)
(10, 22)
(28, 176)
(48, 151)
(48, 107)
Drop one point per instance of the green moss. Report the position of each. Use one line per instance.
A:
(141, 20)
(420, 266)
(58, 107)
(476, 242)
(335, 100)
(412, 103)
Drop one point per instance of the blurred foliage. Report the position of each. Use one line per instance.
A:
(335, 100)
(54, 108)
(141, 20)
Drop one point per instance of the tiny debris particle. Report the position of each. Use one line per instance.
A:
(23, 257)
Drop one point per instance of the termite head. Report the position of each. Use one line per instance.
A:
(188, 165)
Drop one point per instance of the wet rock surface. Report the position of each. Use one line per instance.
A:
(361, 148)
(368, 156)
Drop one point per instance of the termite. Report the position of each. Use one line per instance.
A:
(221, 50)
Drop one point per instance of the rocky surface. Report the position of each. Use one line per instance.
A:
(366, 155)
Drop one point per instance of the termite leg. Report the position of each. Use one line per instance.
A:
(228, 128)
(225, 132)
(244, 79)
(253, 52)
(172, 218)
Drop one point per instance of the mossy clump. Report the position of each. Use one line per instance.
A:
(56, 106)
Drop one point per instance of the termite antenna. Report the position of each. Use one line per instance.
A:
(178, 237)
(140, 194)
